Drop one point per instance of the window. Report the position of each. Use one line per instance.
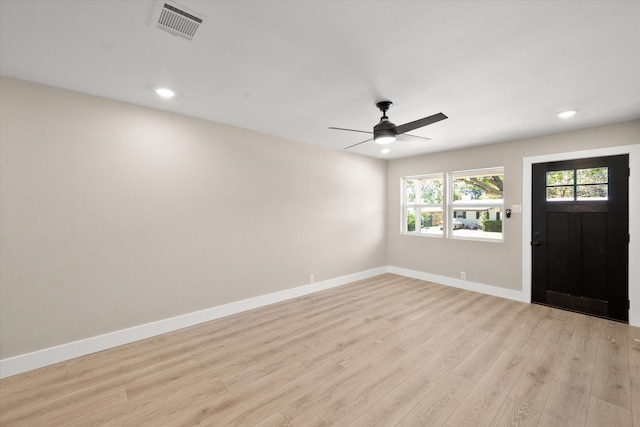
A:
(468, 205)
(422, 205)
(578, 184)
(477, 203)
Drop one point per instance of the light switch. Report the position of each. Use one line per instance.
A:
(516, 208)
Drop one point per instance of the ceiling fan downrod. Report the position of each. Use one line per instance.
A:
(384, 107)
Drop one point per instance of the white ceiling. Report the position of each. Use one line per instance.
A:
(500, 70)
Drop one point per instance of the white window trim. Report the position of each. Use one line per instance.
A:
(420, 206)
(449, 206)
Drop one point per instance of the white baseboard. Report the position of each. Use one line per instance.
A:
(49, 356)
(457, 283)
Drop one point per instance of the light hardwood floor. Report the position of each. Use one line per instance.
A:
(384, 351)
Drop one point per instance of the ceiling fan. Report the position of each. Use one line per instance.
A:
(386, 132)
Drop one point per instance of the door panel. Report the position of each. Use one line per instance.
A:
(594, 254)
(559, 252)
(580, 235)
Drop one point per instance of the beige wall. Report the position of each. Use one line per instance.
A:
(115, 215)
(495, 264)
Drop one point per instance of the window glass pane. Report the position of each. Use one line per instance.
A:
(411, 219)
(472, 223)
(477, 204)
(410, 192)
(560, 177)
(592, 192)
(593, 176)
(430, 191)
(564, 192)
(481, 187)
(431, 221)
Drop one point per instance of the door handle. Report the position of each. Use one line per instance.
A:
(536, 243)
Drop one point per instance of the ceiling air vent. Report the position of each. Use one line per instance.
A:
(178, 20)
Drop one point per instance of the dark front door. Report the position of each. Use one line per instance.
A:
(580, 233)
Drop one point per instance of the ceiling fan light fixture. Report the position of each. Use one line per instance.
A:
(384, 139)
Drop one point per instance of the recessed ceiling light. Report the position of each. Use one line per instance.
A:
(567, 114)
(164, 92)
(385, 150)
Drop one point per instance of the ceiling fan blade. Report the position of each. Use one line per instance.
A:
(351, 146)
(350, 130)
(405, 135)
(407, 127)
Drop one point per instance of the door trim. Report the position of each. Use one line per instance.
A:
(634, 217)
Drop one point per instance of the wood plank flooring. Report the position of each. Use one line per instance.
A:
(386, 351)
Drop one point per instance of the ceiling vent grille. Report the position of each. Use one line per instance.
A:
(178, 21)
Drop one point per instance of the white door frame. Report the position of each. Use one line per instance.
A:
(634, 217)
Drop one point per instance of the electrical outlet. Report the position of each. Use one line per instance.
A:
(311, 278)
(463, 275)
